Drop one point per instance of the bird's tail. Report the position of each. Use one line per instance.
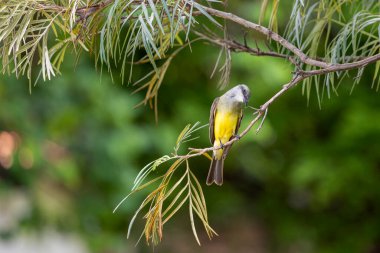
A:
(215, 173)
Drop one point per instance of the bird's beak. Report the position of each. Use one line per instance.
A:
(245, 101)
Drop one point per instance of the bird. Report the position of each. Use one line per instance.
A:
(225, 117)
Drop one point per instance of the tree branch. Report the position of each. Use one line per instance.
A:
(272, 35)
(82, 12)
(85, 12)
(239, 47)
(341, 67)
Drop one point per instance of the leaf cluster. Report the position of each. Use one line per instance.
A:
(40, 32)
(333, 31)
(25, 27)
(173, 189)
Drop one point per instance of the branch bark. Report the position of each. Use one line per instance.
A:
(342, 67)
(270, 34)
(239, 47)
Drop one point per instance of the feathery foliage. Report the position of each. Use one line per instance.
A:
(336, 32)
(40, 32)
(169, 195)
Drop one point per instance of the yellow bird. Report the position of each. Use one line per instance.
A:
(225, 117)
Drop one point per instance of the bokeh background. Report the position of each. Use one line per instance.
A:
(70, 150)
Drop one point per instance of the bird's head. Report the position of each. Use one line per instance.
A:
(246, 93)
(239, 94)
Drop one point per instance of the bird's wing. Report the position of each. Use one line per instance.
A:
(239, 122)
(212, 119)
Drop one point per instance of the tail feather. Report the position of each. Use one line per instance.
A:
(215, 173)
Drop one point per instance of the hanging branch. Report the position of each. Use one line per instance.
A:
(270, 34)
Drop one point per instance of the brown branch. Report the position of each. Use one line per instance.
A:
(238, 47)
(85, 12)
(272, 35)
(341, 67)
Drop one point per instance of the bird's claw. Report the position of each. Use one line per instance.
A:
(237, 136)
(221, 145)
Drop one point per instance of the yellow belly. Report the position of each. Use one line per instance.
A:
(224, 128)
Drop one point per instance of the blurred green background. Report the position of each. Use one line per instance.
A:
(69, 152)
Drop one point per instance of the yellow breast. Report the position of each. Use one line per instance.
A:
(225, 125)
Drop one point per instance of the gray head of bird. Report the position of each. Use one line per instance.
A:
(240, 93)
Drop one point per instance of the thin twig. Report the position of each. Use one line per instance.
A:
(262, 121)
(239, 47)
(272, 35)
(342, 67)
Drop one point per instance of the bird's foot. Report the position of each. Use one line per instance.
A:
(221, 145)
